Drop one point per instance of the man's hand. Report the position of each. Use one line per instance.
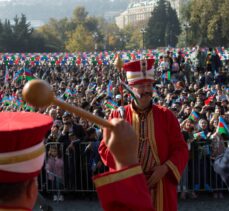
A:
(121, 140)
(158, 173)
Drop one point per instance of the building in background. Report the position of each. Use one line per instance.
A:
(140, 10)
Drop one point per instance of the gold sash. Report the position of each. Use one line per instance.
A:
(158, 194)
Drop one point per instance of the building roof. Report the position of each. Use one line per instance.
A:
(142, 3)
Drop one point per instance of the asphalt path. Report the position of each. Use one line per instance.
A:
(76, 202)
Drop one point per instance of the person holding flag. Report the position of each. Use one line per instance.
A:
(221, 163)
(201, 155)
(162, 151)
(218, 146)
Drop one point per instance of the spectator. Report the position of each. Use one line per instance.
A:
(54, 169)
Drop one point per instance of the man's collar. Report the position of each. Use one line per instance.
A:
(142, 111)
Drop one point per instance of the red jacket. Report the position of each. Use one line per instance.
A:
(168, 146)
(124, 190)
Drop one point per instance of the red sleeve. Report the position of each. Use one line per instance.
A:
(178, 149)
(124, 190)
(106, 156)
(104, 152)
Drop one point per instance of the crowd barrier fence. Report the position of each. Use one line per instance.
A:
(79, 167)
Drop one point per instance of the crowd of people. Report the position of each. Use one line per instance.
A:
(195, 87)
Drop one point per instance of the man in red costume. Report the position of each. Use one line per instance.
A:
(162, 152)
(125, 188)
(22, 154)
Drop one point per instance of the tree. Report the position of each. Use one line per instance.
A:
(22, 32)
(79, 15)
(54, 34)
(163, 26)
(224, 8)
(15, 37)
(37, 43)
(110, 34)
(208, 20)
(6, 37)
(80, 40)
(133, 36)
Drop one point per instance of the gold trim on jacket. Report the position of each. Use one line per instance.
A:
(158, 196)
(115, 177)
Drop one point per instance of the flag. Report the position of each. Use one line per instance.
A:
(222, 127)
(27, 72)
(167, 75)
(207, 102)
(200, 135)
(19, 102)
(28, 107)
(6, 100)
(18, 74)
(227, 91)
(193, 116)
(28, 75)
(155, 94)
(109, 89)
(111, 104)
(68, 93)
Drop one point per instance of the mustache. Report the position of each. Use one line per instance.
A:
(146, 94)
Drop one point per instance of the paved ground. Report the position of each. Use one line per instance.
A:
(83, 203)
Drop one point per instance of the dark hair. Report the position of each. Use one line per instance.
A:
(11, 191)
(90, 131)
(66, 114)
(84, 104)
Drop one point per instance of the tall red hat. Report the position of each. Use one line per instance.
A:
(139, 71)
(22, 149)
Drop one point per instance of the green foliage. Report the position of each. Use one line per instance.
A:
(163, 26)
(110, 34)
(208, 20)
(78, 33)
(54, 34)
(134, 36)
(80, 40)
(15, 37)
(79, 15)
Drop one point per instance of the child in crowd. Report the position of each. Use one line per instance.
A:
(187, 128)
(54, 169)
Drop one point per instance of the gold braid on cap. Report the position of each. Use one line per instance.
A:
(23, 157)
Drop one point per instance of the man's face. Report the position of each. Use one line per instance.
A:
(203, 124)
(53, 113)
(227, 117)
(144, 92)
(187, 110)
(59, 112)
(66, 119)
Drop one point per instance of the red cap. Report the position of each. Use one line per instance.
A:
(139, 71)
(21, 145)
